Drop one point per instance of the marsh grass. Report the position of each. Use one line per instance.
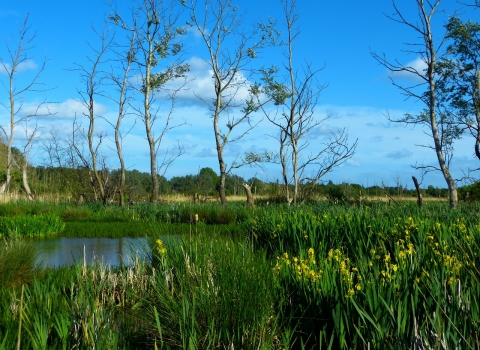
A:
(85, 308)
(207, 213)
(142, 229)
(278, 277)
(18, 262)
(36, 219)
(392, 278)
(212, 292)
(43, 225)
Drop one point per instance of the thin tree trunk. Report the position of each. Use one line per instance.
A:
(223, 177)
(218, 140)
(121, 106)
(477, 115)
(147, 120)
(291, 121)
(284, 172)
(452, 189)
(93, 154)
(26, 186)
(248, 192)
(8, 175)
(419, 193)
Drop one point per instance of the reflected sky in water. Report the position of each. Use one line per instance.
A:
(109, 251)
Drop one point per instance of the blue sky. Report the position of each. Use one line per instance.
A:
(337, 34)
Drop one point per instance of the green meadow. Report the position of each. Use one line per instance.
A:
(317, 276)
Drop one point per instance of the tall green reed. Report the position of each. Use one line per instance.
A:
(31, 226)
(18, 262)
(211, 292)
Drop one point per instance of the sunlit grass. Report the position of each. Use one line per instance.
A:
(369, 275)
(18, 262)
(378, 277)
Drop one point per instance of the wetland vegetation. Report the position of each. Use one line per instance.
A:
(368, 275)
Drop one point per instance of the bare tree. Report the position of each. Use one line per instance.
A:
(19, 59)
(30, 136)
(66, 155)
(154, 23)
(123, 98)
(438, 123)
(92, 78)
(79, 156)
(295, 119)
(231, 50)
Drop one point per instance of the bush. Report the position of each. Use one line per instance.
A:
(470, 192)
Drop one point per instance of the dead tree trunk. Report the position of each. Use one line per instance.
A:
(248, 192)
(26, 186)
(419, 194)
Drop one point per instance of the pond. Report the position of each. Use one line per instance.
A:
(109, 251)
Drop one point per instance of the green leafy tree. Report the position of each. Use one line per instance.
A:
(459, 78)
(183, 184)
(233, 184)
(437, 121)
(207, 181)
(157, 34)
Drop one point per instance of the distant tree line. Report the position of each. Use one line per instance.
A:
(75, 183)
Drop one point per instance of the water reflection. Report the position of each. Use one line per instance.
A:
(110, 251)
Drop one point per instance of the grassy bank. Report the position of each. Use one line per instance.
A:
(318, 276)
(43, 219)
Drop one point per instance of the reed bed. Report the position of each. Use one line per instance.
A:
(83, 307)
(43, 225)
(211, 292)
(320, 276)
(43, 219)
(17, 263)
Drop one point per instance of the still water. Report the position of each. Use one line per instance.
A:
(110, 251)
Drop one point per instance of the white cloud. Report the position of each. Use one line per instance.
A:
(26, 65)
(201, 87)
(353, 163)
(417, 64)
(22, 67)
(382, 152)
(4, 68)
(66, 109)
(7, 13)
(404, 153)
(206, 152)
(193, 31)
(323, 130)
